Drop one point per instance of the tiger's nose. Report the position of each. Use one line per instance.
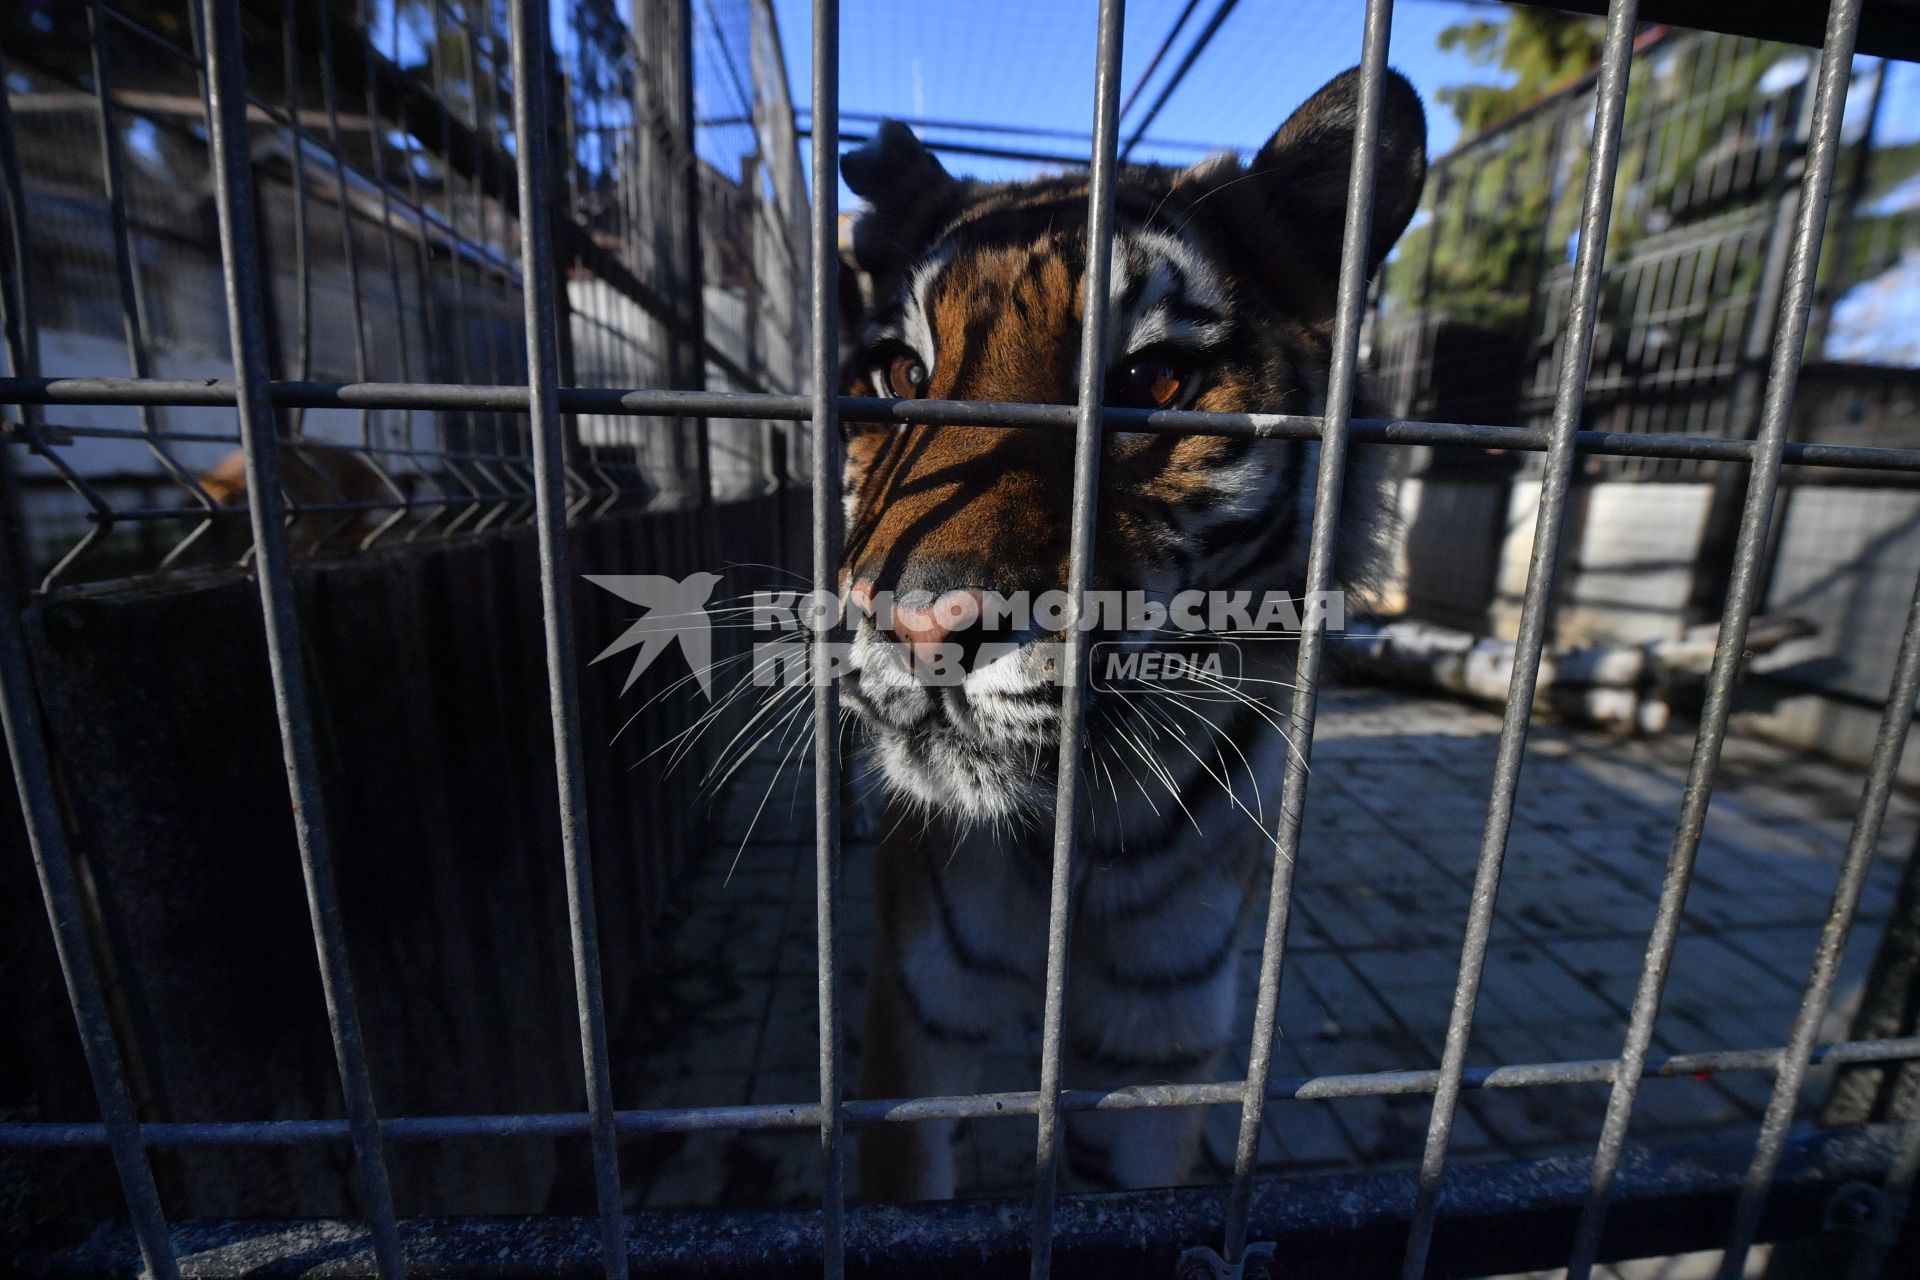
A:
(953, 618)
(952, 621)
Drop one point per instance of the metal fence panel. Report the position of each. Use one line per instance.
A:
(590, 193)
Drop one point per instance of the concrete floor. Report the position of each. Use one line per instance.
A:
(1393, 825)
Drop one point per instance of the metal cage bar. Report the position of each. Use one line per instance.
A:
(26, 741)
(1087, 441)
(773, 1116)
(528, 21)
(648, 402)
(823, 365)
(1530, 644)
(133, 317)
(258, 398)
(234, 201)
(1350, 304)
(1862, 842)
(1755, 518)
(23, 334)
(46, 836)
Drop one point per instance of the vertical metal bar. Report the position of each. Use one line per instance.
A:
(485, 275)
(1088, 436)
(695, 339)
(460, 327)
(330, 101)
(1755, 519)
(823, 369)
(17, 312)
(1881, 770)
(302, 245)
(376, 146)
(1883, 1234)
(133, 308)
(529, 22)
(1349, 305)
(233, 192)
(21, 329)
(1535, 613)
(1840, 278)
(47, 839)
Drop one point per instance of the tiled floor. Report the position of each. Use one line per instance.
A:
(1393, 827)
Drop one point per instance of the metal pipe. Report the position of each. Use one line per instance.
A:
(623, 402)
(762, 1116)
(133, 310)
(1861, 843)
(1511, 1216)
(823, 368)
(1349, 306)
(528, 19)
(1576, 354)
(1087, 441)
(1755, 519)
(20, 324)
(26, 740)
(240, 254)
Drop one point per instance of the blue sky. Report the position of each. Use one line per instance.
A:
(1029, 63)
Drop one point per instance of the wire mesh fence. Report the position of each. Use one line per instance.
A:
(578, 296)
(1472, 316)
(382, 149)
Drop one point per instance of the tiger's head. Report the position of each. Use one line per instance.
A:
(1222, 288)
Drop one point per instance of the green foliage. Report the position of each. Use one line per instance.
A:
(1700, 141)
(1476, 257)
(1538, 48)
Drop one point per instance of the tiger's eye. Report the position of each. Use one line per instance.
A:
(907, 377)
(1152, 384)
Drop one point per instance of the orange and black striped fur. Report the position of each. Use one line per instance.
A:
(1222, 290)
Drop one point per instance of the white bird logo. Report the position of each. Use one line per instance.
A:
(676, 610)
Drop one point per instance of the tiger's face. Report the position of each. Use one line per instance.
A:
(1221, 296)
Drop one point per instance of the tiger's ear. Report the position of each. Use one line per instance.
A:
(905, 188)
(1299, 179)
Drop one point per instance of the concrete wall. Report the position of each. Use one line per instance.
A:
(1629, 556)
(1630, 553)
(1845, 562)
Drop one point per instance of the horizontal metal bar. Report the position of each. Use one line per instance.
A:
(1501, 1217)
(618, 402)
(66, 433)
(806, 1115)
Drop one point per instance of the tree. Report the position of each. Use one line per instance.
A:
(1541, 50)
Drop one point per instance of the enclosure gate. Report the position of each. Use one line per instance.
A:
(1494, 1215)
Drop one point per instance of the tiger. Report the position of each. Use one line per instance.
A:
(1222, 293)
